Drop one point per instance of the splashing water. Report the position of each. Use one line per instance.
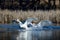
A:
(40, 25)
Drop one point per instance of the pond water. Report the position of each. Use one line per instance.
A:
(34, 35)
(29, 35)
(8, 33)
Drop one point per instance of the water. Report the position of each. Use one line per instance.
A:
(34, 35)
(26, 35)
(30, 35)
(13, 34)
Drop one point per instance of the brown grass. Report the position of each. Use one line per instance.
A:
(6, 16)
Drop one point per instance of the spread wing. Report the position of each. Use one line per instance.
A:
(29, 20)
(20, 23)
(44, 23)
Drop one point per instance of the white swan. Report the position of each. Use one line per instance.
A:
(43, 23)
(25, 25)
(40, 25)
(36, 34)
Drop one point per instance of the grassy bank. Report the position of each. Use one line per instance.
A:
(6, 16)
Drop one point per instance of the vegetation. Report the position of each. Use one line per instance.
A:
(6, 16)
(30, 4)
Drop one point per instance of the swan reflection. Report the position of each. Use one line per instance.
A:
(31, 33)
(34, 35)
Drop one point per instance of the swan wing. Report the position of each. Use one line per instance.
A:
(20, 23)
(39, 24)
(29, 20)
(44, 23)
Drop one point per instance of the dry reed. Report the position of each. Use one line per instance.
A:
(6, 16)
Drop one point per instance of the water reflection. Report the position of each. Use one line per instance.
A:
(34, 35)
(8, 35)
(30, 35)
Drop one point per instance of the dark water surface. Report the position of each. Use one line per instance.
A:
(30, 35)
(9, 32)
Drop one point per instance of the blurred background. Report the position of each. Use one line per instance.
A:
(23, 9)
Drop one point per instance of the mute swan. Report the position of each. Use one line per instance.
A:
(25, 25)
(36, 34)
(43, 23)
(40, 25)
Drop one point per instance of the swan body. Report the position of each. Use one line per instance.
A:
(25, 25)
(21, 24)
(40, 25)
